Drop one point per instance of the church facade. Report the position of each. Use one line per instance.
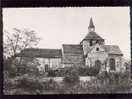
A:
(92, 51)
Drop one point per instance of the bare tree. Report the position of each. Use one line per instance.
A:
(18, 40)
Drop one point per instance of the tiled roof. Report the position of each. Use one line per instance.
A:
(73, 54)
(44, 53)
(72, 49)
(112, 49)
(93, 35)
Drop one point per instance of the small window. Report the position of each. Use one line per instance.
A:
(46, 67)
(91, 43)
(97, 49)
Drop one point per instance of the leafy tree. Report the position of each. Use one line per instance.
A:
(15, 42)
(18, 40)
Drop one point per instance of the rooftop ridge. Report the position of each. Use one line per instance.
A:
(41, 49)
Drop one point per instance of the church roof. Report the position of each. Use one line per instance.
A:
(72, 49)
(93, 35)
(73, 54)
(112, 49)
(44, 53)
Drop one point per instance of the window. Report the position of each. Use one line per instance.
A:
(90, 43)
(46, 67)
(97, 49)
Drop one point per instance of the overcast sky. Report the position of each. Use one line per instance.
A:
(57, 26)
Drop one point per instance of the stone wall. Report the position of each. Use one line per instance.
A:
(118, 63)
(53, 63)
(60, 79)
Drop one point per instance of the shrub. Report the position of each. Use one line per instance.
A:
(10, 68)
(71, 77)
(82, 71)
(88, 71)
(51, 85)
(29, 84)
(93, 71)
(61, 72)
(51, 73)
(114, 82)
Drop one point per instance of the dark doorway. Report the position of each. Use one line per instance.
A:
(112, 64)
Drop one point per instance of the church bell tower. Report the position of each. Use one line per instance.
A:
(91, 39)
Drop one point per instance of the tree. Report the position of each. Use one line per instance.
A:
(18, 40)
(15, 42)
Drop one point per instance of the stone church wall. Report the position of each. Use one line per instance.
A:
(118, 63)
(97, 56)
(53, 63)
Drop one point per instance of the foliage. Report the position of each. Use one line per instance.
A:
(71, 76)
(28, 65)
(61, 72)
(114, 82)
(8, 82)
(88, 71)
(14, 42)
(26, 84)
(30, 84)
(50, 85)
(82, 71)
(18, 40)
(9, 68)
(15, 81)
(128, 65)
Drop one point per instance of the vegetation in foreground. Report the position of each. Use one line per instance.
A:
(30, 81)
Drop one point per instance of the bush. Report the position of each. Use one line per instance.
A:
(10, 68)
(50, 85)
(30, 84)
(93, 71)
(60, 72)
(9, 83)
(114, 82)
(82, 71)
(51, 73)
(71, 77)
(88, 71)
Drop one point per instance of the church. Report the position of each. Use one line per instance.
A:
(92, 51)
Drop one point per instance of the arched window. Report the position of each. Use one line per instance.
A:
(112, 64)
(46, 67)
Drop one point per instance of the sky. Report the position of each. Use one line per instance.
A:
(69, 25)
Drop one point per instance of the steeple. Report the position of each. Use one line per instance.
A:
(91, 26)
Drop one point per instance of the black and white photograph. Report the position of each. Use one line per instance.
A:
(66, 50)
